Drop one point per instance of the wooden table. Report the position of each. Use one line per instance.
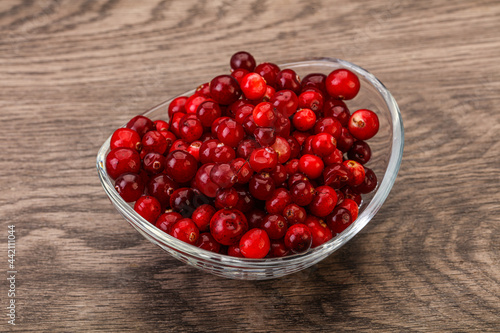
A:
(73, 71)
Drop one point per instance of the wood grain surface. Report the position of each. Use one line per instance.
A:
(73, 71)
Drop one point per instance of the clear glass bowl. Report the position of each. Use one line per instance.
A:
(387, 148)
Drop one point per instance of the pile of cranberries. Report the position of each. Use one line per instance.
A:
(255, 164)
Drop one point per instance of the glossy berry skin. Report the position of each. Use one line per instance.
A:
(255, 217)
(148, 207)
(239, 73)
(357, 172)
(352, 194)
(278, 201)
(194, 102)
(161, 187)
(261, 186)
(314, 80)
(230, 133)
(263, 159)
(339, 220)
(194, 149)
(323, 202)
(342, 84)
(234, 251)
(141, 125)
(311, 99)
(282, 149)
(202, 216)
(269, 72)
(217, 122)
(126, 138)
(345, 141)
(265, 136)
(285, 102)
(337, 109)
(334, 158)
(337, 175)
(302, 193)
(242, 112)
(153, 163)
(175, 122)
(207, 112)
(203, 181)
(185, 230)
(253, 86)
(243, 60)
(246, 201)
(278, 248)
(310, 165)
(207, 242)
(223, 175)
(129, 186)
(242, 170)
(369, 183)
(264, 114)
(294, 214)
(167, 220)
(328, 125)
(275, 226)
(228, 225)
(224, 89)
(304, 119)
(298, 238)
(122, 160)
(288, 79)
(154, 141)
(181, 166)
(246, 147)
(177, 105)
(292, 166)
(182, 201)
(319, 231)
(363, 124)
(161, 125)
(360, 152)
(323, 144)
(226, 198)
(255, 244)
(279, 175)
(352, 206)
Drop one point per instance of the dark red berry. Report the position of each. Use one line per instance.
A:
(339, 220)
(203, 181)
(153, 163)
(181, 166)
(369, 183)
(285, 101)
(185, 230)
(129, 186)
(202, 216)
(304, 119)
(310, 165)
(244, 60)
(263, 159)
(126, 138)
(149, 208)
(298, 238)
(122, 160)
(228, 225)
(154, 141)
(269, 72)
(360, 152)
(357, 172)
(319, 231)
(167, 220)
(261, 186)
(275, 226)
(336, 175)
(278, 248)
(363, 124)
(302, 193)
(294, 214)
(207, 242)
(141, 125)
(224, 89)
(288, 79)
(278, 201)
(342, 84)
(177, 105)
(161, 187)
(323, 202)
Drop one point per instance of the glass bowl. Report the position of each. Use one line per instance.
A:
(387, 148)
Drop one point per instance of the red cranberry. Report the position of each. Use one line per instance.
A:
(255, 217)
(279, 174)
(253, 86)
(230, 133)
(283, 126)
(242, 112)
(369, 183)
(360, 152)
(319, 231)
(207, 112)
(265, 136)
(278, 201)
(223, 153)
(179, 145)
(323, 144)
(217, 122)
(294, 147)
(336, 175)
(337, 109)
(153, 141)
(323, 202)
(255, 244)
(223, 175)
(270, 91)
(292, 166)
(310, 165)
(263, 159)
(207, 150)
(181, 166)
(352, 206)
(182, 201)
(298, 238)
(167, 220)
(314, 80)
(228, 225)
(126, 138)
(301, 136)
(311, 99)
(242, 169)
(122, 160)
(202, 216)
(329, 125)
(129, 186)
(203, 181)
(148, 207)
(264, 114)
(141, 125)
(193, 102)
(175, 122)
(177, 105)
(207, 242)
(234, 251)
(185, 230)
(288, 79)
(363, 124)
(294, 214)
(269, 72)
(261, 186)
(285, 101)
(296, 177)
(352, 194)
(226, 198)
(203, 89)
(161, 187)
(342, 84)
(339, 220)
(153, 163)
(278, 248)
(161, 125)
(304, 119)
(334, 158)
(357, 172)
(246, 147)
(345, 141)
(302, 193)
(246, 200)
(224, 89)
(275, 226)
(243, 60)
(239, 73)
(194, 149)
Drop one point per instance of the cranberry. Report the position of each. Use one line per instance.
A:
(175, 122)
(203, 90)
(207, 242)
(203, 181)
(202, 216)
(337, 109)
(292, 166)
(255, 217)
(264, 114)
(234, 251)
(265, 136)
(161, 125)
(243, 60)
(207, 112)
(223, 175)
(310, 165)
(181, 166)
(296, 177)
(288, 79)
(226, 198)
(167, 220)
(239, 73)
(129, 186)
(269, 72)
(360, 152)
(194, 149)
(369, 183)
(275, 226)
(169, 137)
(141, 125)
(337, 175)
(278, 248)
(217, 122)
(339, 220)
(345, 141)
(298, 238)
(253, 86)
(294, 214)
(207, 150)
(153, 141)
(255, 244)
(126, 138)
(249, 125)
(319, 231)
(246, 147)
(302, 193)
(279, 174)
(314, 80)
(363, 124)
(323, 202)
(334, 158)
(177, 105)
(329, 125)
(323, 144)
(261, 186)
(270, 91)
(242, 112)
(228, 225)
(182, 201)
(223, 153)
(278, 201)
(352, 206)
(224, 89)
(246, 200)
(352, 194)
(283, 126)
(153, 163)
(230, 133)
(122, 160)
(357, 172)
(193, 102)
(263, 159)
(185, 230)
(242, 169)
(301, 136)
(342, 84)
(285, 101)
(294, 147)
(304, 119)
(311, 99)
(148, 207)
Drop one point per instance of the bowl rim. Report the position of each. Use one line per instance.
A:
(382, 191)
